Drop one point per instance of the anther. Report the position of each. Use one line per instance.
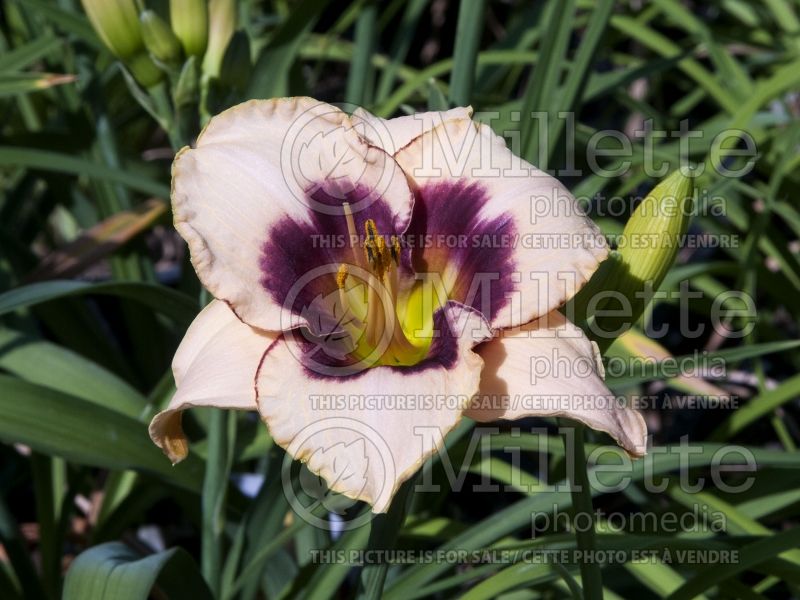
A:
(341, 275)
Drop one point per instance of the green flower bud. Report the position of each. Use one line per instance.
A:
(117, 24)
(222, 24)
(187, 87)
(144, 70)
(653, 234)
(158, 38)
(235, 70)
(190, 23)
(625, 283)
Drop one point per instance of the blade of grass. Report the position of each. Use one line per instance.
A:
(552, 497)
(19, 58)
(570, 94)
(756, 408)
(45, 471)
(750, 556)
(71, 21)
(330, 577)
(413, 84)
(264, 553)
(269, 76)
(219, 459)
(401, 42)
(159, 298)
(591, 577)
(556, 24)
(57, 424)
(31, 158)
(113, 570)
(52, 366)
(650, 371)
(383, 534)
(12, 84)
(361, 79)
(665, 47)
(468, 39)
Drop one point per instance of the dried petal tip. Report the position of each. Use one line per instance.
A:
(167, 433)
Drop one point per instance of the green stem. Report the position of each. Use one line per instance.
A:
(47, 481)
(591, 577)
(256, 564)
(159, 94)
(383, 537)
(221, 439)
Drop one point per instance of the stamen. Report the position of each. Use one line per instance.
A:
(395, 250)
(341, 276)
(383, 255)
(380, 319)
(370, 229)
(352, 234)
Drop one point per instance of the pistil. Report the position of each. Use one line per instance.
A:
(382, 326)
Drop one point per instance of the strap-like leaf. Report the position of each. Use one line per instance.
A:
(113, 571)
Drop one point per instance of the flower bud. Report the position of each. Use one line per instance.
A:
(235, 70)
(143, 69)
(158, 38)
(190, 23)
(117, 24)
(653, 234)
(222, 23)
(626, 282)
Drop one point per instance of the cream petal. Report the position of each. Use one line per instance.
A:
(367, 433)
(394, 134)
(550, 368)
(215, 365)
(254, 166)
(555, 247)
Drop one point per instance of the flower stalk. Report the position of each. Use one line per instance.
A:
(383, 537)
(581, 492)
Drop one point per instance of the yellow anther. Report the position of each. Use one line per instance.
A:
(341, 275)
(379, 254)
(382, 253)
(370, 229)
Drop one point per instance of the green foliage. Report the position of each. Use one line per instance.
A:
(114, 571)
(91, 121)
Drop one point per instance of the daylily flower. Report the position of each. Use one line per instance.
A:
(376, 280)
